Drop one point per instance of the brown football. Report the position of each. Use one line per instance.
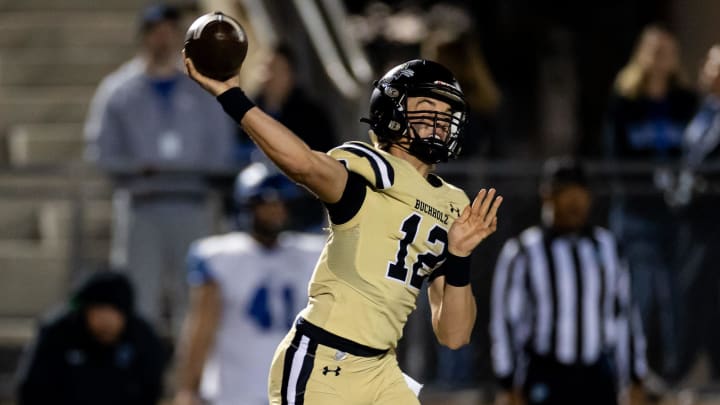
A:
(217, 45)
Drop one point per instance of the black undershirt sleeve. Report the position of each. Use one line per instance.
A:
(351, 200)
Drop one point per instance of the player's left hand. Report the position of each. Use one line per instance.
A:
(477, 222)
(214, 87)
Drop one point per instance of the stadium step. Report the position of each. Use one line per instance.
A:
(66, 5)
(49, 222)
(16, 331)
(19, 220)
(19, 29)
(45, 143)
(43, 104)
(59, 184)
(32, 280)
(68, 55)
(55, 222)
(15, 72)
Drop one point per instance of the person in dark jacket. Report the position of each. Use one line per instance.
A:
(95, 351)
(650, 108)
(695, 195)
(283, 98)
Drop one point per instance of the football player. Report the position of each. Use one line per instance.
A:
(246, 287)
(393, 224)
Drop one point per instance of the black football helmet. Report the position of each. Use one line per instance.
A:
(391, 122)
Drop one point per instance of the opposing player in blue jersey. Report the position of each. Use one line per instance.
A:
(247, 288)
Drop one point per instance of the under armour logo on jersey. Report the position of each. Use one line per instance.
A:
(327, 370)
(454, 210)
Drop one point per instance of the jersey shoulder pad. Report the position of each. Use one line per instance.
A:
(206, 254)
(306, 242)
(367, 161)
(218, 245)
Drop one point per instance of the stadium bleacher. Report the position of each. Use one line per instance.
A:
(52, 55)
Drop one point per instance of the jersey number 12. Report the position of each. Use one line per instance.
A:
(425, 262)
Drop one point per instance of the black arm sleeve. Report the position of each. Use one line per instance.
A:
(455, 269)
(235, 103)
(351, 200)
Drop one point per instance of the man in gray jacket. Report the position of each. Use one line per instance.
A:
(159, 137)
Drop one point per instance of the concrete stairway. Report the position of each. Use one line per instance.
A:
(52, 56)
(51, 61)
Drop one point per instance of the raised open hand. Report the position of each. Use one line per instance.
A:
(477, 222)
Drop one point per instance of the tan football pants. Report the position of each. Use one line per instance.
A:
(305, 372)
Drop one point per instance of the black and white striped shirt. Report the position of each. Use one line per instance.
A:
(564, 297)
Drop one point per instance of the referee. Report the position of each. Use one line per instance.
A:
(562, 327)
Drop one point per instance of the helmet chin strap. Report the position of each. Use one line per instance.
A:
(428, 150)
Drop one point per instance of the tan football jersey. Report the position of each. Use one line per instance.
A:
(369, 274)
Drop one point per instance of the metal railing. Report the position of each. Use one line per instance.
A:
(80, 183)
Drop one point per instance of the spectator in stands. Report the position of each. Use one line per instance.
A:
(650, 107)
(159, 137)
(564, 330)
(702, 136)
(96, 351)
(282, 97)
(701, 279)
(651, 101)
(246, 287)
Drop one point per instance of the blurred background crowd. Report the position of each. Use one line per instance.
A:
(113, 163)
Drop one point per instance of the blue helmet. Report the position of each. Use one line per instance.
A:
(260, 183)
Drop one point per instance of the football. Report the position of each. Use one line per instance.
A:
(217, 44)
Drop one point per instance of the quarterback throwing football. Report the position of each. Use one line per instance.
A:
(393, 225)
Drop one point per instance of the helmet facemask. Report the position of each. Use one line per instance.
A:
(434, 136)
(429, 135)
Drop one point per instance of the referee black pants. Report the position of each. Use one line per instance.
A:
(551, 383)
